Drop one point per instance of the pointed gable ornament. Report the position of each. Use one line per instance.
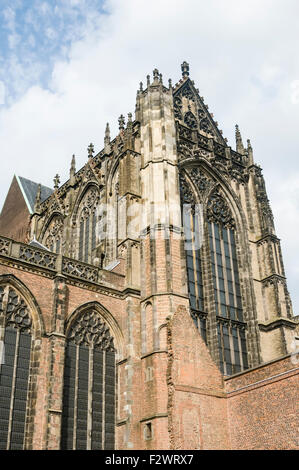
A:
(90, 150)
(185, 69)
(56, 181)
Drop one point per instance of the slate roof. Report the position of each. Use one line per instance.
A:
(29, 190)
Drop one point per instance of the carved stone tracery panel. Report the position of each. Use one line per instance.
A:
(16, 311)
(90, 330)
(219, 212)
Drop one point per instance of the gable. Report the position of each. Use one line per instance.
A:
(191, 111)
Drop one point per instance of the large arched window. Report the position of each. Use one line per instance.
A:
(87, 225)
(88, 419)
(15, 322)
(220, 259)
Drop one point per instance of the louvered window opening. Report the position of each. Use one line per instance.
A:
(88, 420)
(14, 371)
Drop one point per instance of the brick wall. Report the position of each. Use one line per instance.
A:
(197, 403)
(263, 407)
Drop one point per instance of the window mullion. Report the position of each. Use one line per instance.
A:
(216, 270)
(103, 400)
(89, 404)
(194, 258)
(76, 398)
(233, 274)
(12, 397)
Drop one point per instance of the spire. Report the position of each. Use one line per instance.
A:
(56, 181)
(250, 153)
(37, 199)
(239, 143)
(107, 135)
(90, 150)
(185, 69)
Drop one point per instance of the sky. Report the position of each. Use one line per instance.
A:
(69, 66)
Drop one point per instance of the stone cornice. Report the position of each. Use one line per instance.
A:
(278, 323)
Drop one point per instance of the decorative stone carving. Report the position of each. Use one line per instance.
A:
(190, 120)
(89, 204)
(219, 212)
(238, 173)
(201, 181)
(187, 196)
(220, 164)
(38, 257)
(184, 132)
(200, 153)
(205, 126)
(90, 330)
(187, 92)
(54, 232)
(185, 150)
(4, 246)
(177, 106)
(16, 311)
(77, 269)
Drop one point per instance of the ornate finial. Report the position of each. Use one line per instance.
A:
(107, 147)
(249, 153)
(72, 170)
(129, 118)
(239, 143)
(160, 77)
(121, 122)
(169, 83)
(37, 199)
(90, 150)
(156, 75)
(140, 86)
(73, 166)
(185, 69)
(148, 80)
(56, 181)
(107, 134)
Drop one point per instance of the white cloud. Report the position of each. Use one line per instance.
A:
(2, 93)
(241, 57)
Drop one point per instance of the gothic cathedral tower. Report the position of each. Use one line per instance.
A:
(161, 273)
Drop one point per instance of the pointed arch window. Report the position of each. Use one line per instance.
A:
(14, 368)
(87, 226)
(53, 237)
(88, 418)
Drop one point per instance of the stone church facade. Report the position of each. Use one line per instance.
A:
(143, 303)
